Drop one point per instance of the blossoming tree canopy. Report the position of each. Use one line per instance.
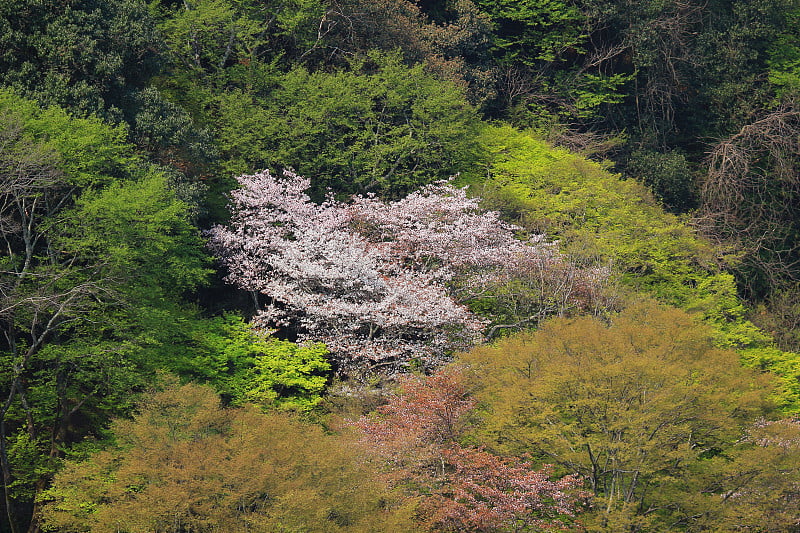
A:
(419, 433)
(380, 283)
(329, 282)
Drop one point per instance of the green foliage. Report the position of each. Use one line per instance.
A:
(249, 366)
(784, 57)
(215, 40)
(99, 254)
(595, 214)
(531, 31)
(287, 375)
(102, 210)
(142, 231)
(595, 90)
(71, 389)
(566, 98)
(185, 464)
(90, 152)
(205, 35)
(600, 218)
(663, 72)
(636, 407)
(538, 47)
(785, 365)
(735, 56)
(380, 126)
(166, 132)
(667, 174)
(95, 58)
(84, 56)
(213, 46)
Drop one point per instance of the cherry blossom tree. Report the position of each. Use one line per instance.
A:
(417, 435)
(440, 230)
(487, 493)
(379, 283)
(480, 258)
(332, 284)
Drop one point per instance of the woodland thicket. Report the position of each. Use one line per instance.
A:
(395, 265)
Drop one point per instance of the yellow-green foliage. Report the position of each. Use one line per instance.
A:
(786, 365)
(600, 217)
(186, 464)
(249, 366)
(596, 214)
(637, 408)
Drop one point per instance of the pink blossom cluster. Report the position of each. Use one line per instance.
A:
(485, 492)
(331, 283)
(418, 434)
(439, 229)
(381, 283)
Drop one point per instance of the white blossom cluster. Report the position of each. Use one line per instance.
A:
(372, 280)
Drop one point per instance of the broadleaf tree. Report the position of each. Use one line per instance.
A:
(419, 437)
(642, 408)
(185, 463)
(378, 126)
(329, 283)
(381, 284)
(85, 290)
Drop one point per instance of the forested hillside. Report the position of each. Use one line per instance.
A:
(399, 265)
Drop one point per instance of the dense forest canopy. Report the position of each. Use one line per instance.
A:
(398, 265)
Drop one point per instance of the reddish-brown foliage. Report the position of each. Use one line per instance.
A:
(465, 488)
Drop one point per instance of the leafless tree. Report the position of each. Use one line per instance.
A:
(751, 195)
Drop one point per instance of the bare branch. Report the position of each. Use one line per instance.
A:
(751, 195)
